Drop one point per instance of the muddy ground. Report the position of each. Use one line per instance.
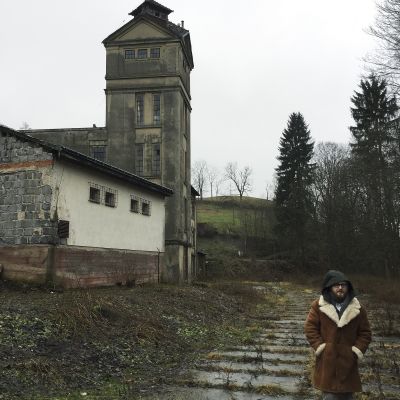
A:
(114, 342)
(210, 341)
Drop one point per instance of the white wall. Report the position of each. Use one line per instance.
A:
(96, 225)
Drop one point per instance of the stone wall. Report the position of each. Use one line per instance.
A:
(25, 198)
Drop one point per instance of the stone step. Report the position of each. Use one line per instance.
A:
(261, 356)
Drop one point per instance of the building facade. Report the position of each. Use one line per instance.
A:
(70, 220)
(147, 132)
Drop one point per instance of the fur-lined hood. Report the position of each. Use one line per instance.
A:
(351, 311)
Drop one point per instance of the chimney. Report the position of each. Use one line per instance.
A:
(182, 24)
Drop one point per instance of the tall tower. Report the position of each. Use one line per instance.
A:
(149, 61)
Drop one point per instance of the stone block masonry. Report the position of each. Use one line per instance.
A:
(25, 200)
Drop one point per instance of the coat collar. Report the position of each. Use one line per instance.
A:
(352, 310)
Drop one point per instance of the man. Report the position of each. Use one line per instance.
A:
(337, 328)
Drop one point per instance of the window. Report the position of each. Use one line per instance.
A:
(155, 52)
(110, 198)
(139, 159)
(145, 207)
(94, 194)
(134, 203)
(142, 53)
(156, 108)
(129, 54)
(156, 160)
(140, 109)
(98, 152)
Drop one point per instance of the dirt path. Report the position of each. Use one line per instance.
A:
(277, 362)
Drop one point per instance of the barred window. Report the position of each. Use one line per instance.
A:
(146, 209)
(110, 198)
(134, 203)
(155, 52)
(94, 193)
(156, 108)
(129, 54)
(140, 109)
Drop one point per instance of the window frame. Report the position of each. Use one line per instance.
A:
(157, 50)
(94, 188)
(140, 55)
(130, 54)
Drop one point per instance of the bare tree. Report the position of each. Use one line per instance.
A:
(385, 61)
(239, 177)
(212, 176)
(25, 126)
(199, 175)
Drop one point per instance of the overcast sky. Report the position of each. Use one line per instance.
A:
(256, 61)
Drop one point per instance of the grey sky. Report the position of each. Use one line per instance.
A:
(256, 61)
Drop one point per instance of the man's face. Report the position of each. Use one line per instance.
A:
(340, 291)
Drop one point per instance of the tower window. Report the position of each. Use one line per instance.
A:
(156, 108)
(155, 52)
(142, 53)
(129, 54)
(98, 152)
(139, 159)
(156, 160)
(139, 109)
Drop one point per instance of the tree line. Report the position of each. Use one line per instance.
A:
(338, 205)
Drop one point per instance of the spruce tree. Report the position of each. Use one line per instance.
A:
(293, 195)
(375, 150)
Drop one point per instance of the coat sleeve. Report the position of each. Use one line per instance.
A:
(312, 328)
(364, 334)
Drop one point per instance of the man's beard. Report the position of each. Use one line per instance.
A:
(339, 297)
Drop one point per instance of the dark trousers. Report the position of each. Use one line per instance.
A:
(337, 396)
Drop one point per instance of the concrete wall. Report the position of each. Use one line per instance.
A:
(71, 266)
(97, 225)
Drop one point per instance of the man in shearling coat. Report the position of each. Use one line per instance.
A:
(337, 328)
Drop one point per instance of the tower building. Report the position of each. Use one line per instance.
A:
(147, 132)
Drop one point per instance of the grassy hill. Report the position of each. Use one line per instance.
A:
(227, 225)
(227, 214)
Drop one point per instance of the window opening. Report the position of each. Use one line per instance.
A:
(156, 159)
(94, 193)
(98, 152)
(155, 52)
(142, 53)
(129, 54)
(110, 198)
(139, 109)
(134, 203)
(145, 207)
(139, 159)
(156, 108)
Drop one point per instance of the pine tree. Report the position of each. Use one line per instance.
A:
(375, 149)
(293, 196)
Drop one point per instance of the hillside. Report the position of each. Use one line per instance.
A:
(227, 226)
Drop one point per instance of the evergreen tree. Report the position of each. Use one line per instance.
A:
(293, 195)
(375, 149)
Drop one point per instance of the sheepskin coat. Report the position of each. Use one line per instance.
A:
(338, 344)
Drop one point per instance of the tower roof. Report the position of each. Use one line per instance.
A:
(153, 8)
